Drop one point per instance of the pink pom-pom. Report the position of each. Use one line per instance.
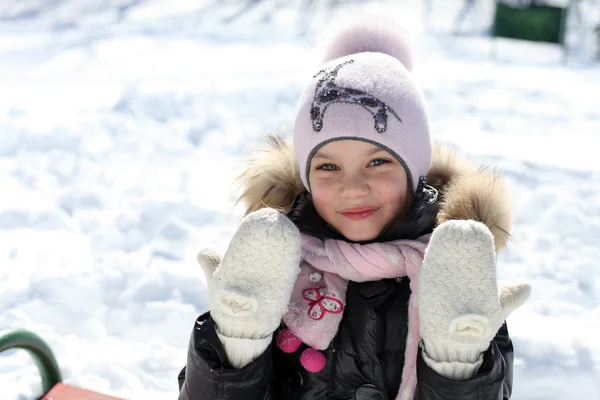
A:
(287, 341)
(312, 360)
(371, 34)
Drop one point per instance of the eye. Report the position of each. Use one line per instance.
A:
(327, 167)
(378, 161)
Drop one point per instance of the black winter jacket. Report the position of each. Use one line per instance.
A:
(365, 359)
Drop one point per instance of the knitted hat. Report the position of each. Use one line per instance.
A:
(365, 92)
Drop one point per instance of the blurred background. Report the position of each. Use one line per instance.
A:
(124, 122)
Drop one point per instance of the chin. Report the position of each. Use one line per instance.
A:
(356, 236)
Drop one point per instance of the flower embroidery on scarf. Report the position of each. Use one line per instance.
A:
(315, 277)
(321, 302)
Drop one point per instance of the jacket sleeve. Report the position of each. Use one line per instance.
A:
(208, 374)
(492, 382)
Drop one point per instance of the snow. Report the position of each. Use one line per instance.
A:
(123, 124)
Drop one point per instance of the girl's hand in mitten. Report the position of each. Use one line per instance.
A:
(249, 290)
(460, 307)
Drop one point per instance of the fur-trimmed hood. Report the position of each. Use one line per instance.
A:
(466, 191)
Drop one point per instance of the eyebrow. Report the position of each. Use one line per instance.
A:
(322, 154)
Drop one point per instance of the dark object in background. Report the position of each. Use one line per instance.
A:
(597, 35)
(534, 22)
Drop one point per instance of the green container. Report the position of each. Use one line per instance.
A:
(38, 349)
(538, 23)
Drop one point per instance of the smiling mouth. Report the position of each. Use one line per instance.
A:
(358, 214)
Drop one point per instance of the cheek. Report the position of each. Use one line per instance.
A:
(323, 197)
(391, 190)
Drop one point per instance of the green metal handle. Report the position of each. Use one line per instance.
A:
(39, 350)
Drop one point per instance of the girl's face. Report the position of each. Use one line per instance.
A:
(358, 188)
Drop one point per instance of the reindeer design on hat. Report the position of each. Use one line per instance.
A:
(328, 92)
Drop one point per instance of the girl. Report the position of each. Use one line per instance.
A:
(378, 279)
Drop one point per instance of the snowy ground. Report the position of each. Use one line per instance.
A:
(122, 124)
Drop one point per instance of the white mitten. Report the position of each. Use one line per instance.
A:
(249, 290)
(460, 309)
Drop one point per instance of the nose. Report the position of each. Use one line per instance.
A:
(354, 186)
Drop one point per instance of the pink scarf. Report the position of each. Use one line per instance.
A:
(319, 295)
